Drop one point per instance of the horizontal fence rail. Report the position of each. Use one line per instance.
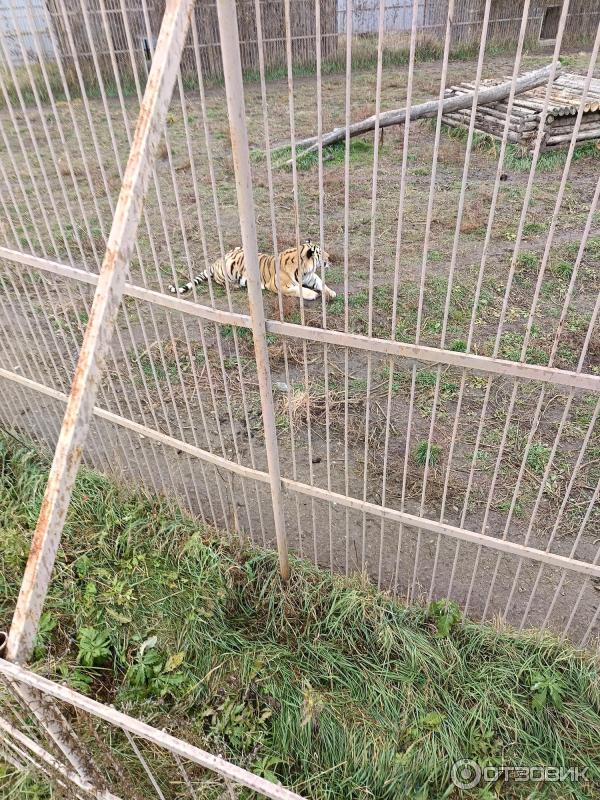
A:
(327, 495)
(522, 370)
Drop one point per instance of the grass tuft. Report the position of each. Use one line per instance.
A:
(427, 454)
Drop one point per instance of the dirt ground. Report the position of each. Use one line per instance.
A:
(343, 417)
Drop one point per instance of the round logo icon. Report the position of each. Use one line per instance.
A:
(465, 774)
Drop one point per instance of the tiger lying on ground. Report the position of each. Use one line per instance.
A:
(297, 275)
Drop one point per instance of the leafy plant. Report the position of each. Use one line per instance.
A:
(445, 614)
(264, 767)
(311, 706)
(76, 678)
(537, 457)
(426, 378)
(44, 633)
(94, 647)
(151, 674)
(147, 665)
(563, 270)
(433, 720)
(547, 690)
(237, 722)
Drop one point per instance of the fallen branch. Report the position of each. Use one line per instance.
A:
(397, 116)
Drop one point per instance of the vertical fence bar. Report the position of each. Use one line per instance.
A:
(234, 89)
(96, 343)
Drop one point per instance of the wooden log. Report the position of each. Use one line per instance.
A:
(495, 130)
(566, 127)
(533, 105)
(512, 136)
(591, 116)
(529, 125)
(521, 105)
(481, 117)
(496, 121)
(570, 81)
(501, 108)
(430, 109)
(582, 136)
(568, 130)
(492, 112)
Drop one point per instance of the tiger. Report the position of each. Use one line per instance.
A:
(299, 269)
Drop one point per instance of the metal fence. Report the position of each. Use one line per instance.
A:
(100, 751)
(435, 426)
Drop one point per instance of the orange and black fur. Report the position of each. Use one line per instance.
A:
(299, 272)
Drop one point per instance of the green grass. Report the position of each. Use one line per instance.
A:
(161, 368)
(549, 161)
(334, 155)
(424, 453)
(434, 256)
(516, 161)
(535, 227)
(511, 346)
(325, 684)
(359, 299)
(537, 457)
(528, 260)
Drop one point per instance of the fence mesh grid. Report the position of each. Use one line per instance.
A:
(437, 421)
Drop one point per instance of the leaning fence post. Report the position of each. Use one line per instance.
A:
(67, 457)
(96, 342)
(232, 72)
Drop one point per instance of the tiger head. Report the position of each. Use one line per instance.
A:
(312, 257)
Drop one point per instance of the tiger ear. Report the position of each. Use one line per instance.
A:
(310, 251)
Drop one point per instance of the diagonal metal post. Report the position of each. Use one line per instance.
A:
(234, 89)
(67, 457)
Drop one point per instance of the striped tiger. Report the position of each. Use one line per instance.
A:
(299, 270)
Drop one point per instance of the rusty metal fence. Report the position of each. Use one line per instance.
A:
(435, 426)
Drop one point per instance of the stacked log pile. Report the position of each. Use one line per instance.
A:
(566, 96)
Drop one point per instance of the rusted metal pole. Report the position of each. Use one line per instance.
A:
(234, 89)
(99, 330)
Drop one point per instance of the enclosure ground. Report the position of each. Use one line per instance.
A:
(198, 383)
(325, 684)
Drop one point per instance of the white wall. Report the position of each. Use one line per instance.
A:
(365, 17)
(16, 18)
